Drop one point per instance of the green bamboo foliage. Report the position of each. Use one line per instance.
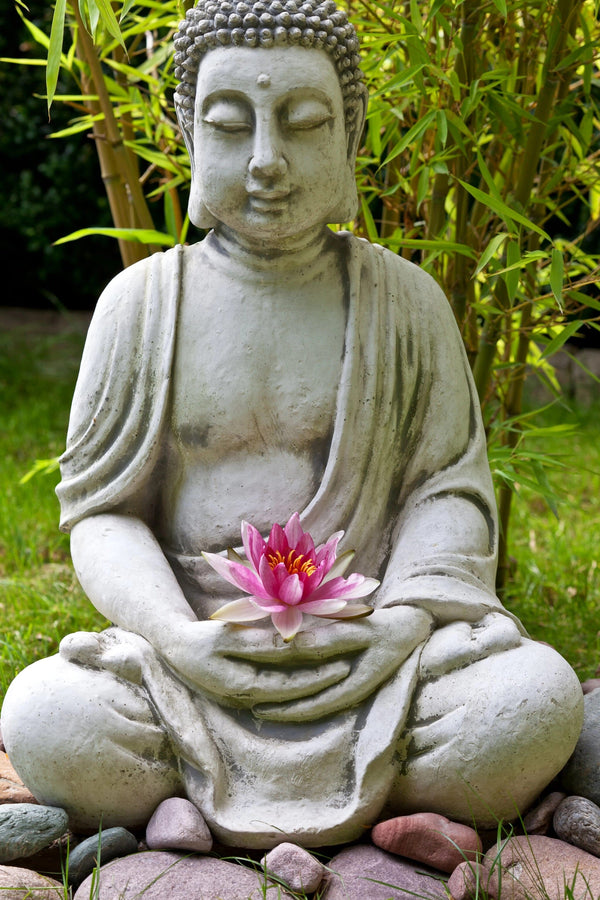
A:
(482, 138)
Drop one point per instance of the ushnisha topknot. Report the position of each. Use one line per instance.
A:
(266, 23)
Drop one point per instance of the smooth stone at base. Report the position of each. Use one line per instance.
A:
(23, 884)
(177, 824)
(295, 866)
(25, 829)
(12, 789)
(355, 872)
(158, 875)
(471, 880)
(114, 842)
(577, 821)
(539, 819)
(581, 775)
(428, 838)
(541, 867)
(592, 684)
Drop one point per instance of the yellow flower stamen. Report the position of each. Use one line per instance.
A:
(293, 562)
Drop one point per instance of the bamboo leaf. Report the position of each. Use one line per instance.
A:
(55, 49)
(412, 135)
(490, 251)
(501, 7)
(561, 338)
(110, 20)
(510, 216)
(557, 273)
(141, 235)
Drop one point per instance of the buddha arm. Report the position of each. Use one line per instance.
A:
(125, 574)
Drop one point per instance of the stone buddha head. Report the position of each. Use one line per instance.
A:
(271, 103)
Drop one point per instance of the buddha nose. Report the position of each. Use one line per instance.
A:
(267, 158)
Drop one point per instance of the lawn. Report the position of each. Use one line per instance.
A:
(555, 586)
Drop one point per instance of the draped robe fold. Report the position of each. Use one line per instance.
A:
(407, 465)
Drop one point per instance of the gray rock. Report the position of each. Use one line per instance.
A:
(19, 884)
(577, 821)
(178, 825)
(296, 867)
(581, 775)
(114, 842)
(539, 819)
(158, 875)
(364, 871)
(25, 829)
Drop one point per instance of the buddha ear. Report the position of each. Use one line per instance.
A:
(197, 211)
(347, 205)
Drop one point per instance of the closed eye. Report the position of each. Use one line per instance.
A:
(229, 116)
(304, 115)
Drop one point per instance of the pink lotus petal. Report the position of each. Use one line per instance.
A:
(313, 581)
(306, 547)
(267, 577)
(278, 541)
(349, 588)
(280, 573)
(323, 607)
(271, 605)
(243, 610)
(326, 552)
(254, 545)
(232, 556)
(288, 623)
(236, 574)
(291, 590)
(293, 530)
(340, 565)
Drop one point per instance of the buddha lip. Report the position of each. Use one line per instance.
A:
(269, 195)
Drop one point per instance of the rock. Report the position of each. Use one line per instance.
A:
(364, 872)
(539, 819)
(581, 775)
(577, 821)
(159, 874)
(114, 842)
(178, 825)
(23, 884)
(592, 684)
(293, 865)
(535, 867)
(12, 789)
(471, 880)
(25, 829)
(428, 838)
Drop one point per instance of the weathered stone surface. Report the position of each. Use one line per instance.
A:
(577, 821)
(471, 880)
(23, 884)
(178, 825)
(114, 842)
(581, 775)
(428, 838)
(162, 874)
(25, 829)
(12, 789)
(295, 866)
(592, 684)
(535, 867)
(539, 819)
(363, 871)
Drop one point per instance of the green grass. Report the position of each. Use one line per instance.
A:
(555, 587)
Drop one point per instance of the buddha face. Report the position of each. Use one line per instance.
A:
(271, 154)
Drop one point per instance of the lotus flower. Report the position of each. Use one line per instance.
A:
(288, 578)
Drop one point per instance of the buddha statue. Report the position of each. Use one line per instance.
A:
(278, 366)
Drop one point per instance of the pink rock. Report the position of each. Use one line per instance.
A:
(178, 825)
(17, 883)
(173, 876)
(364, 872)
(539, 819)
(592, 684)
(472, 880)
(535, 867)
(293, 865)
(428, 838)
(12, 789)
